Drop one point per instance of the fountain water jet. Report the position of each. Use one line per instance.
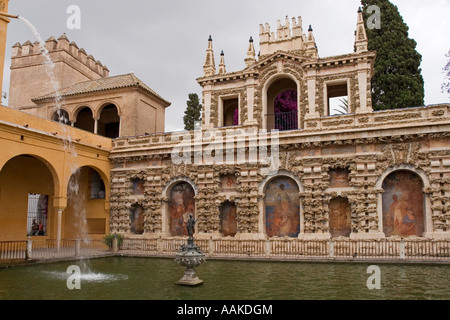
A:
(73, 183)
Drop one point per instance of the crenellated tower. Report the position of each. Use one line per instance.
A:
(288, 38)
(29, 78)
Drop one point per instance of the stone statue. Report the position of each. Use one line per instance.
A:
(190, 226)
(190, 256)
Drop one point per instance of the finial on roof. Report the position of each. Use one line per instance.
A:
(250, 59)
(361, 41)
(310, 28)
(209, 67)
(222, 67)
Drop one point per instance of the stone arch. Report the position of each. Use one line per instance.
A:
(23, 178)
(273, 86)
(50, 166)
(179, 201)
(176, 180)
(103, 175)
(286, 173)
(108, 115)
(61, 115)
(84, 118)
(87, 195)
(75, 111)
(280, 209)
(404, 209)
(98, 110)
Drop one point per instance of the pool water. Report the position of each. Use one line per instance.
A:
(126, 278)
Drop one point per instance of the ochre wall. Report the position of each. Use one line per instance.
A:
(81, 207)
(19, 177)
(47, 169)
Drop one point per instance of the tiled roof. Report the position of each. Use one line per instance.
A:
(102, 84)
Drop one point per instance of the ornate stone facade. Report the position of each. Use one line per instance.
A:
(337, 162)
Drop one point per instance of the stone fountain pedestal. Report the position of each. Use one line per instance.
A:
(190, 256)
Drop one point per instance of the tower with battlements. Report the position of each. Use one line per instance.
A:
(29, 78)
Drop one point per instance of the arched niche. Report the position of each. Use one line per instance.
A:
(403, 204)
(228, 219)
(340, 217)
(282, 104)
(137, 219)
(274, 88)
(181, 203)
(282, 207)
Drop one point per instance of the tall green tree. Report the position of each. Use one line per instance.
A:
(397, 81)
(446, 70)
(193, 112)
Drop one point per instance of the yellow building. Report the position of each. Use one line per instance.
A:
(38, 162)
(54, 163)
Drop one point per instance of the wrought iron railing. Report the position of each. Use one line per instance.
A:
(283, 248)
(282, 121)
(51, 249)
(378, 249)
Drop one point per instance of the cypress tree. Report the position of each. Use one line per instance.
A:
(397, 81)
(193, 112)
(446, 70)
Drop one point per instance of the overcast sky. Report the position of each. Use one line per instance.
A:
(164, 42)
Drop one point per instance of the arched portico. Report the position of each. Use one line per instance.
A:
(107, 120)
(37, 150)
(27, 185)
(84, 119)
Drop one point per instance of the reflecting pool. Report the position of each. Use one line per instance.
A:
(127, 278)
